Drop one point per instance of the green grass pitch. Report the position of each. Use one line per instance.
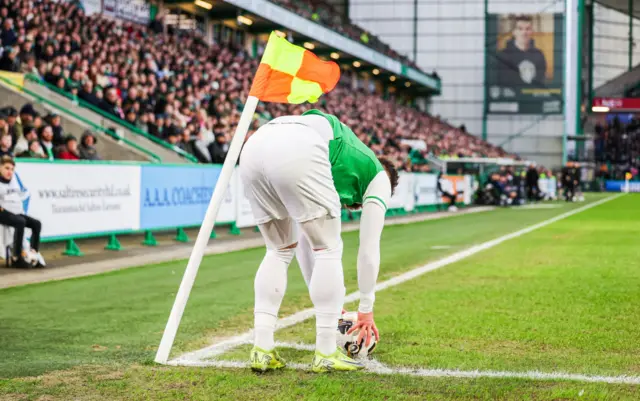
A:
(563, 298)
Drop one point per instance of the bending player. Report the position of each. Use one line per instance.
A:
(297, 172)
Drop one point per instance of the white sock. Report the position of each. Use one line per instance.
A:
(270, 285)
(265, 325)
(327, 293)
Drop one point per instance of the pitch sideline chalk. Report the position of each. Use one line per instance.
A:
(380, 369)
(196, 358)
(375, 367)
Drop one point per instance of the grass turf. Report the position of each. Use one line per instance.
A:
(560, 298)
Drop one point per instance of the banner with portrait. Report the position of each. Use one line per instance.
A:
(524, 63)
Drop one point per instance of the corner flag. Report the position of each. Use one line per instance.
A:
(292, 74)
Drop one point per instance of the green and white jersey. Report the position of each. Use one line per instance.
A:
(357, 173)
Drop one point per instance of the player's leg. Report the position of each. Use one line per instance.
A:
(270, 285)
(271, 278)
(327, 291)
(277, 230)
(326, 285)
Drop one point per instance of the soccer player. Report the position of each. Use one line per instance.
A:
(297, 172)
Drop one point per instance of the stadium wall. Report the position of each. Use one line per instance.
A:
(611, 44)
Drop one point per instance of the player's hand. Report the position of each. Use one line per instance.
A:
(367, 328)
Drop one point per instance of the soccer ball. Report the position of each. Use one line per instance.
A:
(349, 342)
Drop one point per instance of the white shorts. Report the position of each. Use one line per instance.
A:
(286, 172)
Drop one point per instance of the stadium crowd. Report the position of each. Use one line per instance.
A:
(180, 89)
(27, 134)
(617, 149)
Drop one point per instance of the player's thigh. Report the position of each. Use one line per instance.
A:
(323, 232)
(279, 234)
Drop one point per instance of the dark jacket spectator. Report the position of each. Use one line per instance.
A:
(219, 149)
(10, 60)
(8, 36)
(88, 149)
(157, 127)
(27, 114)
(532, 177)
(55, 121)
(15, 130)
(87, 94)
(110, 103)
(53, 76)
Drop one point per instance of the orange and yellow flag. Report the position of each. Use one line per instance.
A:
(292, 74)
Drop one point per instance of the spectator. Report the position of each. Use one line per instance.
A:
(70, 149)
(4, 127)
(131, 117)
(22, 145)
(14, 129)
(37, 121)
(88, 149)
(157, 126)
(12, 214)
(46, 141)
(156, 25)
(201, 147)
(219, 149)
(27, 114)
(10, 61)
(174, 138)
(87, 94)
(110, 103)
(532, 178)
(8, 36)
(34, 151)
(54, 75)
(55, 121)
(29, 65)
(6, 145)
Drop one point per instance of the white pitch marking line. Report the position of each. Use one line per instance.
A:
(378, 368)
(221, 347)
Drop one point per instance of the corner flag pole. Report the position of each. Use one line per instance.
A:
(197, 253)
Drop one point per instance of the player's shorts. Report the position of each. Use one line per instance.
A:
(286, 172)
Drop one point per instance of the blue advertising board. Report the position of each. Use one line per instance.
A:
(617, 186)
(173, 196)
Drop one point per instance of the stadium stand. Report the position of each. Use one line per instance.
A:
(617, 86)
(617, 149)
(31, 120)
(179, 89)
